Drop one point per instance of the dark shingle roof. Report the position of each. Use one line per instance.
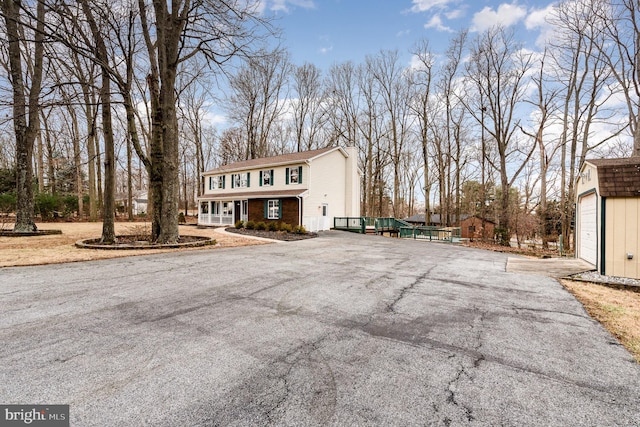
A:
(271, 161)
(618, 177)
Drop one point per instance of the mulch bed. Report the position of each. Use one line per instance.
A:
(275, 235)
(11, 233)
(140, 242)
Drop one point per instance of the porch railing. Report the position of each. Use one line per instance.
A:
(397, 226)
(349, 223)
(448, 234)
(212, 219)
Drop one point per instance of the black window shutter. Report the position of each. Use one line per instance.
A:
(286, 172)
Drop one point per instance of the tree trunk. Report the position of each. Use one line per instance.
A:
(25, 123)
(77, 161)
(108, 213)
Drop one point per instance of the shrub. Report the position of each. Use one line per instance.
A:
(273, 226)
(261, 226)
(70, 204)
(299, 229)
(46, 205)
(7, 203)
(286, 227)
(239, 224)
(250, 225)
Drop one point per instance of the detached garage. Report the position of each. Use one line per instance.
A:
(608, 216)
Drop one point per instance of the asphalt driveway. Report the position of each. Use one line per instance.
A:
(340, 330)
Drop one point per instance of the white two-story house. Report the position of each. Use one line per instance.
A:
(308, 188)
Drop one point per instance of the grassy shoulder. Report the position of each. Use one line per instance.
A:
(618, 310)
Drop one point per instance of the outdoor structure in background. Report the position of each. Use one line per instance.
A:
(471, 226)
(474, 227)
(608, 216)
(307, 188)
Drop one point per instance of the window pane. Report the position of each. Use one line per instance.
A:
(273, 209)
(293, 176)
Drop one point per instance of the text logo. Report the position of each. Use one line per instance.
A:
(34, 415)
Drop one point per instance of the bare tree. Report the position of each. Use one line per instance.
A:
(585, 75)
(393, 84)
(102, 57)
(622, 25)
(422, 77)
(498, 70)
(545, 105)
(257, 99)
(449, 155)
(308, 115)
(26, 108)
(369, 125)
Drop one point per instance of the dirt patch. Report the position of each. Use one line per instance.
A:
(525, 250)
(617, 309)
(51, 249)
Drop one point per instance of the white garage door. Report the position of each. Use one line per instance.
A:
(588, 238)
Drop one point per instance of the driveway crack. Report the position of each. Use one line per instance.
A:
(391, 307)
(293, 358)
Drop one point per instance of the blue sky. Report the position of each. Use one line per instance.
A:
(324, 32)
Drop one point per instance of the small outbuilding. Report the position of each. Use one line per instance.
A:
(475, 227)
(608, 216)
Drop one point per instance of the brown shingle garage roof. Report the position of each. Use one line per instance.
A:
(618, 177)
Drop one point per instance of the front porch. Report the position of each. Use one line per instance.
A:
(222, 213)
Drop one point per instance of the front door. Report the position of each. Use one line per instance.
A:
(324, 220)
(236, 211)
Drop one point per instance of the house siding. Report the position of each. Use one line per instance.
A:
(289, 211)
(279, 181)
(327, 185)
(621, 237)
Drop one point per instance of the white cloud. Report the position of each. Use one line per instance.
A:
(403, 33)
(455, 14)
(506, 15)
(537, 20)
(426, 5)
(283, 5)
(436, 22)
(325, 50)
(215, 119)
